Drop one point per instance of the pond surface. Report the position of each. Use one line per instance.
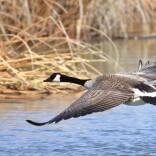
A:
(122, 131)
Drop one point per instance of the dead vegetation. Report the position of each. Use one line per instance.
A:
(38, 37)
(35, 41)
(122, 18)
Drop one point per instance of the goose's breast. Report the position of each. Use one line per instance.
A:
(136, 101)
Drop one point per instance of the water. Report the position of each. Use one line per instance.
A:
(128, 54)
(121, 131)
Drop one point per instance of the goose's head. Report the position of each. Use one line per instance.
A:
(58, 77)
(55, 77)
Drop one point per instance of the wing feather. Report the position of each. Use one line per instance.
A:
(92, 101)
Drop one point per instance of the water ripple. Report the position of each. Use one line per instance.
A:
(123, 131)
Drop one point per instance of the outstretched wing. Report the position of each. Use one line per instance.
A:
(148, 70)
(140, 64)
(94, 100)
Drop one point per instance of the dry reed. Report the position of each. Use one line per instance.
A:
(38, 38)
(122, 18)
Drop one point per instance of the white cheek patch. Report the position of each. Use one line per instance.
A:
(89, 83)
(57, 78)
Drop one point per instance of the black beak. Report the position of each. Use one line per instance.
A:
(47, 80)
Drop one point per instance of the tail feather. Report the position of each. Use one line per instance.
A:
(151, 100)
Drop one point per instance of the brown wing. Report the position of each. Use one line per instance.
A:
(94, 100)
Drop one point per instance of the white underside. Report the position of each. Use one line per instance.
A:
(138, 93)
(137, 100)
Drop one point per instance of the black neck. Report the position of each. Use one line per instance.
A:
(73, 80)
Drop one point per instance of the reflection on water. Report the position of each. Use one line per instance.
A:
(122, 131)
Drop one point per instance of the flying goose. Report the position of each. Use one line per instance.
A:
(147, 71)
(107, 91)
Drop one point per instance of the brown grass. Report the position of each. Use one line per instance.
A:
(38, 38)
(122, 19)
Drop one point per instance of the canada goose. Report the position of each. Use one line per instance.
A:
(147, 71)
(108, 91)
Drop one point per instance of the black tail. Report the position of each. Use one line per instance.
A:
(151, 100)
(37, 123)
